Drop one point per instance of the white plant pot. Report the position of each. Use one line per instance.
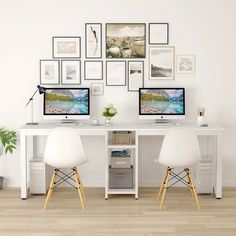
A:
(200, 120)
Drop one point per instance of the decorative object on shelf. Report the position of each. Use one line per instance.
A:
(96, 89)
(135, 75)
(161, 62)
(93, 40)
(49, 72)
(158, 33)
(70, 72)
(66, 47)
(116, 73)
(93, 70)
(125, 40)
(108, 112)
(8, 141)
(186, 64)
(201, 117)
(41, 90)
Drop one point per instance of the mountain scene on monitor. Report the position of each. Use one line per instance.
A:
(162, 101)
(66, 101)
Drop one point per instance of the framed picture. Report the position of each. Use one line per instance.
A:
(186, 64)
(125, 40)
(66, 47)
(93, 40)
(161, 62)
(96, 89)
(135, 75)
(70, 72)
(116, 73)
(49, 71)
(158, 33)
(93, 70)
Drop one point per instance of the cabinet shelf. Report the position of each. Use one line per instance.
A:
(122, 146)
(121, 191)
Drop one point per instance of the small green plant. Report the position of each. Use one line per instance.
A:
(109, 111)
(8, 139)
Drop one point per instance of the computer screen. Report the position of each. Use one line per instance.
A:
(66, 103)
(161, 103)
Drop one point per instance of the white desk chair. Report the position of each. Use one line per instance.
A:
(64, 150)
(179, 149)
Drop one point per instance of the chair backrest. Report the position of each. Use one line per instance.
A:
(180, 148)
(64, 148)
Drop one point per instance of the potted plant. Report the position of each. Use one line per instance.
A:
(108, 112)
(7, 144)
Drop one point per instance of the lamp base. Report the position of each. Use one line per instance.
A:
(32, 123)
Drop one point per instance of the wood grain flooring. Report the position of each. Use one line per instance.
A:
(120, 215)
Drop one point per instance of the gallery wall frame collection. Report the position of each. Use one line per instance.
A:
(125, 50)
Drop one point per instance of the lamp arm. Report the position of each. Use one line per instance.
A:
(31, 97)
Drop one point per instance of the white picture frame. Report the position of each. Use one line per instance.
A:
(93, 70)
(161, 62)
(135, 75)
(186, 64)
(97, 89)
(49, 72)
(93, 40)
(66, 47)
(115, 73)
(70, 72)
(158, 33)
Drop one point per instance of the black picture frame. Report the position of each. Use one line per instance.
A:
(56, 63)
(142, 79)
(98, 37)
(75, 55)
(122, 52)
(62, 72)
(85, 69)
(115, 71)
(166, 42)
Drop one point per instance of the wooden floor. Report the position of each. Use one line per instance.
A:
(120, 215)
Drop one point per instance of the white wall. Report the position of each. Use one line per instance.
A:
(206, 28)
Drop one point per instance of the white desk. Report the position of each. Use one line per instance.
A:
(26, 148)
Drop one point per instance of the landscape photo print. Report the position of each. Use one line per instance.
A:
(125, 40)
(161, 64)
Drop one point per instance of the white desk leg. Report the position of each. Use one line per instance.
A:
(106, 166)
(23, 156)
(218, 186)
(136, 166)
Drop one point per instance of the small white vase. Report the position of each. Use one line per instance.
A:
(200, 120)
(108, 120)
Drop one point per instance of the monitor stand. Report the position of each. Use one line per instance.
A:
(162, 122)
(64, 121)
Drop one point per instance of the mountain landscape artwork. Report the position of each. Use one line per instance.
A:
(163, 101)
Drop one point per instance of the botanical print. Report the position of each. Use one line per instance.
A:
(135, 75)
(93, 40)
(125, 40)
(161, 63)
(186, 64)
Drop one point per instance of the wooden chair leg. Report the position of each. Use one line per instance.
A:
(80, 183)
(165, 187)
(162, 184)
(190, 187)
(194, 190)
(78, 188)
(51, 186)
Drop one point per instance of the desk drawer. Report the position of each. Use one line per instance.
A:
(120, 178)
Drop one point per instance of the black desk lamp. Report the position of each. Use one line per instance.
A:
(41, 90)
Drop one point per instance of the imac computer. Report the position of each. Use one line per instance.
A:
(66, 104)
(161, 104)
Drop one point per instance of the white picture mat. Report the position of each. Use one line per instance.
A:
(158, 33)
(186, 64)
(116, 73)
(162, 57)
(93, 70)
(135, 78)
(71, 71)
(66, 47)
(49, 72)
(93, 47)
(97, 88)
